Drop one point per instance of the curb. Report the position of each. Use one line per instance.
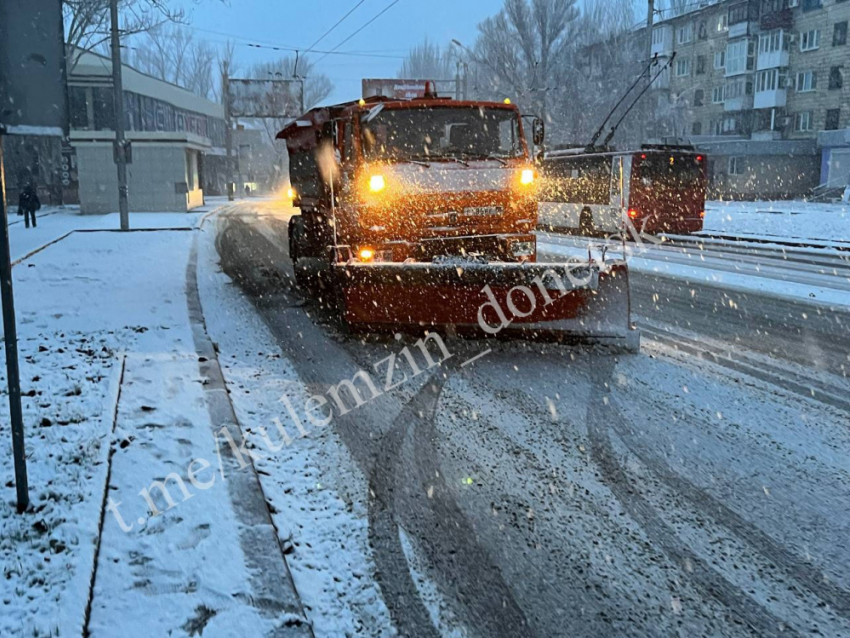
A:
(274, 589)
(115, 394)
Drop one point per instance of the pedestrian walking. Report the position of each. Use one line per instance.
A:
(28, 204)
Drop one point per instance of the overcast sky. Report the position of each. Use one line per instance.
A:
(300, 23)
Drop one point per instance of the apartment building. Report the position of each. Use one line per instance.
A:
(763, 87)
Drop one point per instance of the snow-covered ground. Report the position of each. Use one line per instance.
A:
(106, 342)
(307, 480)
(779, 220)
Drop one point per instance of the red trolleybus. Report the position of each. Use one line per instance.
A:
(661, 188)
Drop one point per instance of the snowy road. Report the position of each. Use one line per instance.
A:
(791, 304)
(698, 488)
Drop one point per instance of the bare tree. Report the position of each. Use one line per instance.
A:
(171, 53)
(427, 60)
(316, 86)
(519, 49)
(678, 7)
(87, 22)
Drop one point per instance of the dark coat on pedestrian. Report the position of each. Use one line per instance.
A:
(28, 200)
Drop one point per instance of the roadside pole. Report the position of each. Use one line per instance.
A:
(650, 17)
(118, 98)
(228, 129)
(10, 334)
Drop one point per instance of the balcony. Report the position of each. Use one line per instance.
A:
(772, 59)
(740, 103)
(662, 40)
(743, 18)
(769, 99)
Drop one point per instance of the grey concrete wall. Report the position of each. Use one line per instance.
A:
(765, 177)
(152, 179)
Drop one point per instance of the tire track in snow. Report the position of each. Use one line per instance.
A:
(441, 528)
(703, 576)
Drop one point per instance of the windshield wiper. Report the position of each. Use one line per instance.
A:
(410, 160)
(498, 158)
(450, 158)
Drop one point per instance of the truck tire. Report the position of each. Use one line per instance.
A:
(296, 236)
(585, 223)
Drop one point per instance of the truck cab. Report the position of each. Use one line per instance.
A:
(419, 179)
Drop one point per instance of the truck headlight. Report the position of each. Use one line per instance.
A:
(377, 183)
(526, 177)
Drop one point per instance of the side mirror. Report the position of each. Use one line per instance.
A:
(538, 131)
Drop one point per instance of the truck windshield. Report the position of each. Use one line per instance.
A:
(450, 132)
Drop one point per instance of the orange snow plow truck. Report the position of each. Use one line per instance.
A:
(420, 214)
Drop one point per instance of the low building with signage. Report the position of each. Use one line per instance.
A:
(175, 136)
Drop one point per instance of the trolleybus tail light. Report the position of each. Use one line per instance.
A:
(633, 213)
(702, 214)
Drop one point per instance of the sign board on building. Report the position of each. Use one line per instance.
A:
(404, 89)
(265, 98)
(33, 92)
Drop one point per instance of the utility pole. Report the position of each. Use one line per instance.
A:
(465, 81)
(650, 17)
(457, 80)
(11, 337)
(228, 128)
(118, 98)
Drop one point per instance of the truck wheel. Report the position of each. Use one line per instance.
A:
(585, 223)
(296, 236)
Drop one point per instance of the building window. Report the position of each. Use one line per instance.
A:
(736, 165)
(686, 33)
(738, 13)
(657, 36)
(737, 88)
(77, 98)
(810, 40)
(717, 95)
(772, 41)
(699, 97)
(836, 81)
(720, 60)
(700, 64)
(767, 80)
(696, 128)
(803, 122)
(811, 5)
(839, 34)
(832, 117)
(683, 67)
(737, 57)
(806, 81)
(104, 109)
(723, 23)
(702, 30)
(730, 125)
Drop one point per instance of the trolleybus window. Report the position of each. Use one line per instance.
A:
(583, 180)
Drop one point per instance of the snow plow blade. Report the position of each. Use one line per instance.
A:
(526, 300)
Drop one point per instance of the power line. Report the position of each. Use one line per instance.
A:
(260, 44)
(324, 35)
(382, 12)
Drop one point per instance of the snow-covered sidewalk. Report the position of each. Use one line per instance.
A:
(109, 368)
(779, 220)
(55, 222)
